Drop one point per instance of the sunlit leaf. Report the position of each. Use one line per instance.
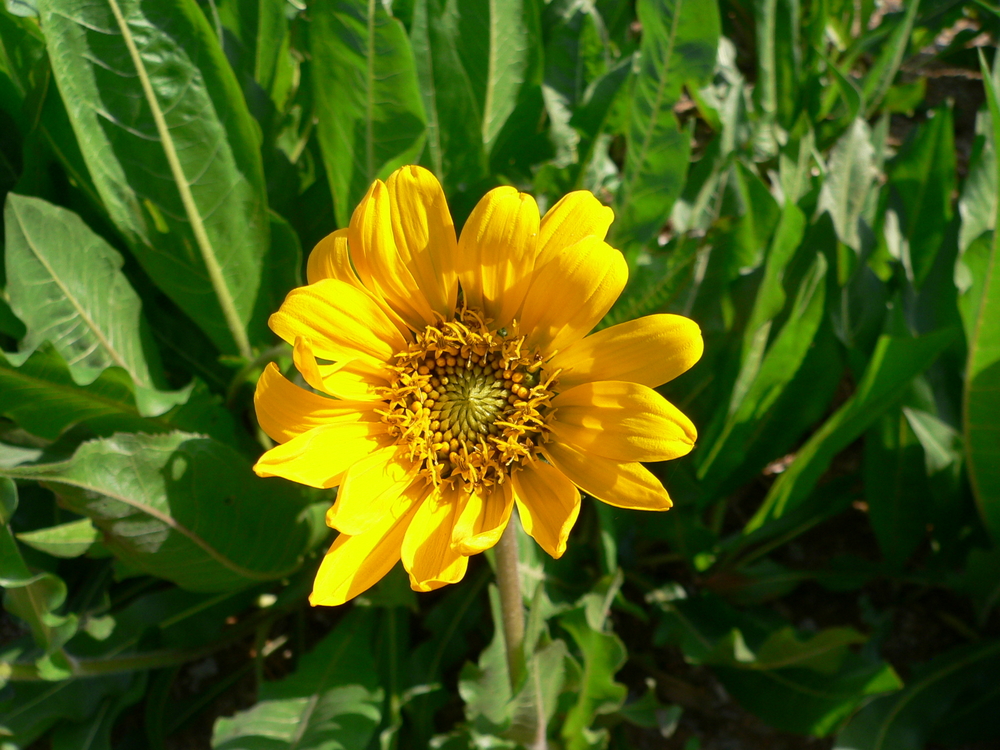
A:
(171, 148)
(45, 397)
(922, 179)
(32, 597)
(894, 363)
(331, 701)
(371, 116)
(980, 306)
(182, 507)
(679, 40)
(67, 286)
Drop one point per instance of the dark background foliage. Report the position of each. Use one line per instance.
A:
(814, 181)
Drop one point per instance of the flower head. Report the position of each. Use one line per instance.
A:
(452, 379)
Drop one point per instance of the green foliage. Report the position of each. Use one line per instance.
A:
(171, 148)
(678, 49)
(370, 116)
(333, 701)
(815, 184)
(180, 507)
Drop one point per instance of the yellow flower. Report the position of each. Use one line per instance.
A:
(463, 382)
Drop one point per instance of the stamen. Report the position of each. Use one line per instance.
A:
(468, 402)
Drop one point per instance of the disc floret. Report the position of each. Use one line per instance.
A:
(468, 402)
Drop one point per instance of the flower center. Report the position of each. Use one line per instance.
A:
(468, 402)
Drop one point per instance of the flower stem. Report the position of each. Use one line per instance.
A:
(511, 603)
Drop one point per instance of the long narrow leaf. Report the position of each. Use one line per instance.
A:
(370, 115)
(171, 148)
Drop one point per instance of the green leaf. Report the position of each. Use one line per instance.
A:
(67, 286)
(591, 117)
(896, 487)
(712, 632)
(978, 202)
(575, 56)
(823, 652)
(172, 150)
(883, 71)
(981, 581)
(41, 107)
(10, 324)
(44, 396)
(921, 182)
(806, 702)
(181, 507)
(656, 280)
(805, 685)
(485, 687)
(491, 707)
(941, 442)
(455, 149)
(32, 597)
(497, 43)
(370, 115)
(905, 720)
(263, 29)
(764, 376)
(603, 655)
(283, 266)
(649, 713)
(679, 41)
(94, 733)
(65, 540)
(893, 364)
(330, 702)
(31, 708)
(980, 305)
(851, 174)
(538, 699)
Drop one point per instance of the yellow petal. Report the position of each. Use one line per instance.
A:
(572, 292)
(331, 259)
(377, 260)
(355, 380)
(284, 410)
(548, 504)
(575, 216)
(624, 485)
(622, 421)
(497, 253)
(427, 552)
(320, 457)
(356, 563)
(652, 351)
(482, 517)
(371, 486)
(425, 235)
(341, 321)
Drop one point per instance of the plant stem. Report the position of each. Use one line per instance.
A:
(511, 603)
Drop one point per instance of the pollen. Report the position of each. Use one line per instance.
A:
(468, 402)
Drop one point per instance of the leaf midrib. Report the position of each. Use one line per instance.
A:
(922, 684)
(78, 390)
(223, 295)
(971, 360)
(77, 305)
(310, 706)
(491, 65)
(658, 104)
(168, 520)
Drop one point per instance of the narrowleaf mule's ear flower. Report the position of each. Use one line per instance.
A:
(454, 379)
